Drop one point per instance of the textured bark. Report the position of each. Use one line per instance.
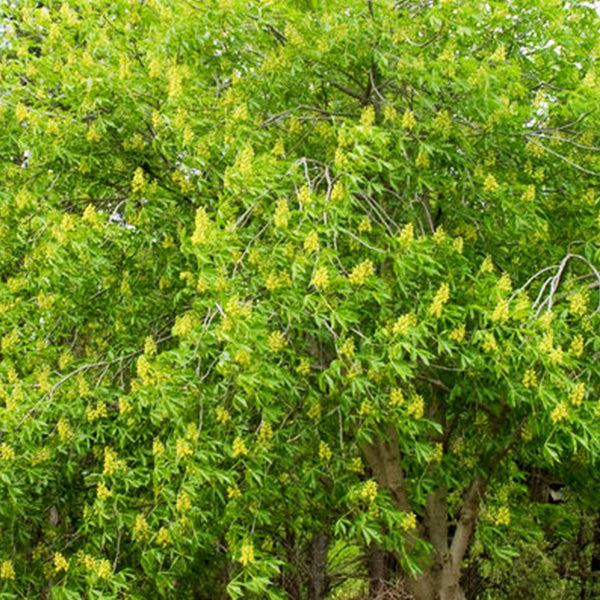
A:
(377, 570)
(319, 581)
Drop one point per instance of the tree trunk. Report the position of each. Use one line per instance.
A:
(319, 581)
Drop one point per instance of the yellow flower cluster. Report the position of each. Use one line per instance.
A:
(416, 407)
(325, 452)
(320, 278)
(407, 235)
(441, 297)
(282, 213)
(102, 492)
(347, 349)
(458, 334)
(239, 447)
(111, 461)
(202, 228)
(578, 303)
(409, 522)
(163, 537)
(183, 503)
(367, 118)
(337, 192)
(175, 76)
(396, 397)
(365, 225)
(183, 325)
(304, 195)
(487, 266)
(6, 452)
(530, 379)
(437, 454)
(356, 465)
(504, 283)
(100, 411)
(556, 355)
(404, 323)
(368, 492)
(144, 370)
(7, 571)
(389, 112)
(501, 311)
(141, 529)
(442, 123)
(422, 161)
(529, 194)
(245, 159)
(182, 448)
(247, 554)
(304, 367)
(360, 272)
(265, 433)
(138, 183)
(233, 492)
(149, 346)
(439, 235)
(501, 516)
(577, 394)
(64, 430)
(311, 242)
(158, 448)
(340, 160)
(490, 184)
(577, 346)
(489, 343)
(276, 341)
(223, 415)
(409, 121)
(560, 413)
(60, 563)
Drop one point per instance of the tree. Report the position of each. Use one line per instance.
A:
(282, 282)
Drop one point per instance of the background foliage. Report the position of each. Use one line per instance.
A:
(244, 245)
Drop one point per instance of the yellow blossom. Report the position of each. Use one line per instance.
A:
(347, 349)
(416, 407)
(64, 430)
(320, 278)
(223, 415)
(368, 492)
(276, 341)
(282, 212)
(141, 529)
(304, 195)
(578, 303)
(163, 537)
(408, 120)
(556, 355)
(396, 397)
(504, 283)
(499, 54)
(501, 516)
(560, 413)
(360, 272)
(365, 225)
(247, 554)
(60, 563)
(138, 183)
(311, 242)
(489, 343)
(183, 325)
(458, 334)
(577, 346)
(239, 447)
(183, 503)
(102, 492)
(577, 394)
(500, 311)
(389, 112)
(7, 571)
(124, 406)
(356, 465)
(530, 379)
(409, 522)
(265, 433)
(407, 234)
(422, 161)
(182, 448)
(103, 568)
(337, 192)
(149, 346)
(325, 452)
(202, 227)
(404, 323)
(529, 194)
(490, 184)
(304, 367)
(111, 461)
(6, 452)
(441, 297)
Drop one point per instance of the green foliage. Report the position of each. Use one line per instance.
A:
(241, 241)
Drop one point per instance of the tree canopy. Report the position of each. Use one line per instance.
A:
(291, 288)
